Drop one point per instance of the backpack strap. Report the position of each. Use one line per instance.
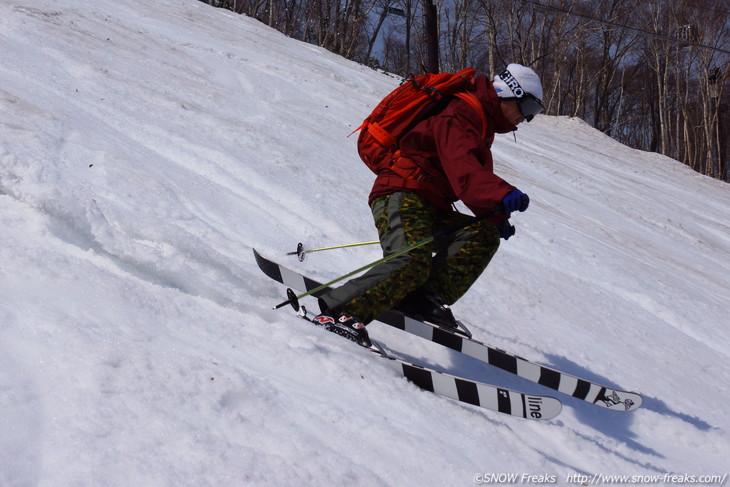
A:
(379, 133)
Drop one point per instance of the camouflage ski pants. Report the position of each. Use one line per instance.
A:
(447, 266)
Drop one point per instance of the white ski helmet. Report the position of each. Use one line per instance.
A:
(516, 81)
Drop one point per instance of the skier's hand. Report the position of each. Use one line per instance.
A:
(505, 229)
(515, 200)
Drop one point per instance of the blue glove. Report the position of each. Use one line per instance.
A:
(515, 200)
(505, 229)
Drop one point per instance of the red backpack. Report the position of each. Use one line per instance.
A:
(399, 112)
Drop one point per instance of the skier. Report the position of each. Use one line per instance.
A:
(457, 164)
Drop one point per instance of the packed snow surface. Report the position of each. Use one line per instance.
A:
(147, 147)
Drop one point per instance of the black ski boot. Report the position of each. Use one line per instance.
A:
(346, 326)
(424, 305)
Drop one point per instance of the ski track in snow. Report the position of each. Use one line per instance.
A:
(145, 149)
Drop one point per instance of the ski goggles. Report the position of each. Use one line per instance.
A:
(529, 106)
(528, 103)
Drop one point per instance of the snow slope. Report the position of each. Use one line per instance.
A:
(147, 147)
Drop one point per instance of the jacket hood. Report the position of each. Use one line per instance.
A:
(483, 89)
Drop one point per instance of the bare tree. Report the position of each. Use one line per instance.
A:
(651, 74)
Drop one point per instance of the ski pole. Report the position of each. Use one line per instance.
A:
(294, 299)
(300, 252)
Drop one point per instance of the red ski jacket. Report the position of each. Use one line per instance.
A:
(456, 161)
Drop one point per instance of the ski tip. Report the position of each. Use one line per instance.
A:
(620, 400)
(260, 260)
(542, 408)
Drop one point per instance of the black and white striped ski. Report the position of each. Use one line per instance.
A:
(506, 401)
(571, 385)
(499, 399)
(562, 382)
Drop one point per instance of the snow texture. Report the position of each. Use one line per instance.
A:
(147, 147)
